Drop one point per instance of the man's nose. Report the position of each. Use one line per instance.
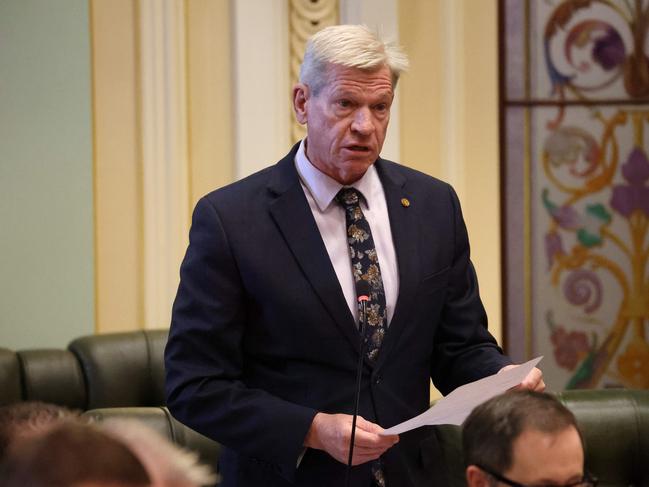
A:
(362, 122)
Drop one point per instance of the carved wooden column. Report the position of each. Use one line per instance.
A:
(306, 18)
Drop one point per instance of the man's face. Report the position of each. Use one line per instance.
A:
(539, 458)
(547, 458)
(346, 120)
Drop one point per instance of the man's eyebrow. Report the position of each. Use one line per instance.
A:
(345, 93)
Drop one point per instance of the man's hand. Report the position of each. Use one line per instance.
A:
(533, 381)
(332, 433)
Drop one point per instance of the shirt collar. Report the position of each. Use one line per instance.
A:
(324, 189)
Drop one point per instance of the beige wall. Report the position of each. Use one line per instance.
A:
(120, 248)
(479, 140)
(449, 118)
(118, 194)
(209, 62)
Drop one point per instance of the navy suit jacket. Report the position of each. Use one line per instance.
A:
(262, 338)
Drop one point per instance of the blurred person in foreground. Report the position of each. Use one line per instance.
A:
(523, 438)
(24, 420)
(265, 337)
(167, 464)
(72, 454)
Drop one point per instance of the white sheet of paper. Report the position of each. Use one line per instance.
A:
(455, 407)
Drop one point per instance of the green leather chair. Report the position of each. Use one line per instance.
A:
(10, 377)
(615, 427)
(122, 369)
(96, 371)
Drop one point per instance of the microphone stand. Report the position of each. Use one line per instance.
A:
(363, 299)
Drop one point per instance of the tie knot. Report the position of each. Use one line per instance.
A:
(349, 197)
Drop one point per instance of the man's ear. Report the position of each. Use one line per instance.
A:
(475, 477)
(300, 98)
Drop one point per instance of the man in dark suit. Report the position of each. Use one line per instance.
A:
(264, 340)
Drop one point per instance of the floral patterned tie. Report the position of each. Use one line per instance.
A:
(365, 266)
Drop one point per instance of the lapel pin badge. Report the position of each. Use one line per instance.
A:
(405, 202)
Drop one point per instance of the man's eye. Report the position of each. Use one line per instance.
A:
(381, 107)
(344, 103)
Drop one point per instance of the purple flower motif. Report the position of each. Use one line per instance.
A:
(636, 169)
(567, 217)
(569, 347)
(553, 247)
(588, 225)
(634, 196)
(609, 50)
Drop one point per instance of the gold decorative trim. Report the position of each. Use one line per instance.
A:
(306, 17)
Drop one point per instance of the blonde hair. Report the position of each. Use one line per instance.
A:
(353, 46)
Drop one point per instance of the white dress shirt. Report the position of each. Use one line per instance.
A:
(320, 191)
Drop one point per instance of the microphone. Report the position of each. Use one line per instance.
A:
(363, 296)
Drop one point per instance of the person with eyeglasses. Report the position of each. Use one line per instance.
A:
(524, 439)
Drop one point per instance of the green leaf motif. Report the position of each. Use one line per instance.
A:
(599, 211)
(549, 205)
(588, 239)
(583, 373)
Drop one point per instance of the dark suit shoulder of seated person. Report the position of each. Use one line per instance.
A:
(264, 340)
(524, 438)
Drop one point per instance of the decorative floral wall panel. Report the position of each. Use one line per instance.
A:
(575, 145)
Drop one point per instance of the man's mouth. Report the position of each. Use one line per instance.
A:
(358, 148)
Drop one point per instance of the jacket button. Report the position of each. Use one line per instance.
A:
(377, 379)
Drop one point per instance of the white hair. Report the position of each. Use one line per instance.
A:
(167, 464)
(353, 46)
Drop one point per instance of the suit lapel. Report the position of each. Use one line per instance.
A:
(291, 212)
(403, 225)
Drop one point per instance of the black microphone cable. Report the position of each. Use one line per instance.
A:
(363, 293)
